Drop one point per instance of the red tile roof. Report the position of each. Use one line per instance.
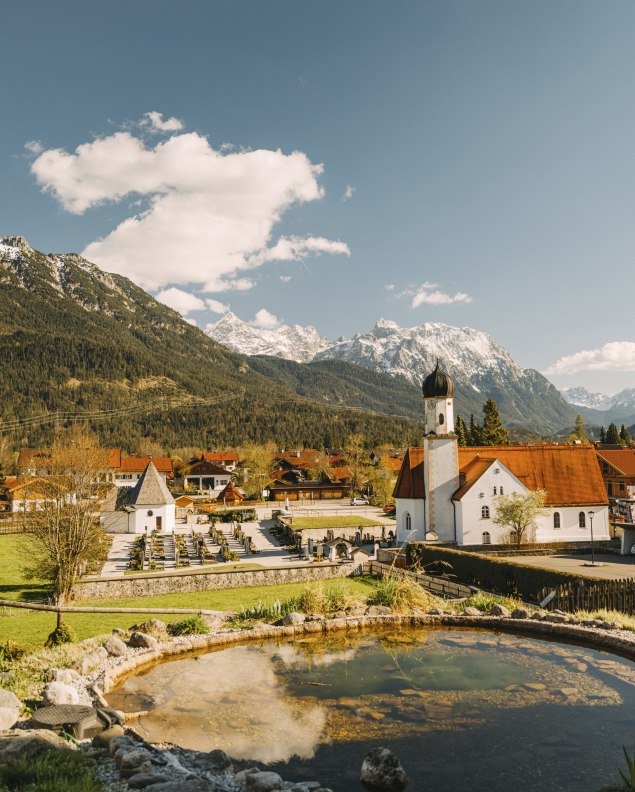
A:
(220, 456)
(570, 475)
(622, 459)
(230, 494)
(41, 457)
(137, 464)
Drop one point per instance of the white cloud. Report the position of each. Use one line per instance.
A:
(180, 300)
(285, 278)
(208, 215)
(265, 319)
(389, 287)
(294, 248)
(614, 356)
(349, 192)
(157, 123)
(431, 294)
(215, 306)
(34, 147)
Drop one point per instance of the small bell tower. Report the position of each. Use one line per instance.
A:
(441, 456)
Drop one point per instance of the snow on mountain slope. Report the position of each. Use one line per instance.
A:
(581, 397)
(292, 342)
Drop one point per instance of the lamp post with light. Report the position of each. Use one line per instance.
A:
(591, 514)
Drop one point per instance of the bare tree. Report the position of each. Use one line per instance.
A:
(61, 512)
(518, 512)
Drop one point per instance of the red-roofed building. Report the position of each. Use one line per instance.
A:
(449, 494)
(225, 459)
(132, 467)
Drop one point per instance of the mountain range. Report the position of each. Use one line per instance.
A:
(619, 405)
(480, 366)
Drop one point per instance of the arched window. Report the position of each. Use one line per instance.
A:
(500, 490)
(582, 520)
(495, 491)
(556, 519)
(441, 419)
(487, 539)
(485, 513)
(407, 521)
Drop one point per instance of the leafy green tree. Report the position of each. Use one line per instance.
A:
(357, 461)
(492, 433)
(518, 512)
(382, 484)
(474, 432)
(612, 435)
(257, 465)
(625, 436)
(461, 431)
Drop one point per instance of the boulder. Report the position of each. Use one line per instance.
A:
(66, 675)
(140, 640)
(133, 760)
(356, 610)
(520, 613)
(155, 627)
(556, 618)
(28, 743)
(120, 743)
(434, 612)
(382, 772)
(115, 646)
(145, 780)
(59, 693)
(102, 740)
(378, 610)
(499, 610)
(9, 716)
(263, 781)
(189, 785)
(9, 699)
(538, 615)
(293, 618)
(92, 661)
(219, 760)
(471, 611)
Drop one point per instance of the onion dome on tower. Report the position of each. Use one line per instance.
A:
(438, 385)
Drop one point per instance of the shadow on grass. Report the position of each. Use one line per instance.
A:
(25, 592)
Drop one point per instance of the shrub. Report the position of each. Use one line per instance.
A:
(9, 652)
(53, 770)
(61, 635)
(401, 594)
(193, 625)
(493, 574)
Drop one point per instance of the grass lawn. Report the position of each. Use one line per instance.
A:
(305, 523)
(32, 627)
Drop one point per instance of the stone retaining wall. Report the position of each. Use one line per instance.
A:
(116, 670)
(142, 585)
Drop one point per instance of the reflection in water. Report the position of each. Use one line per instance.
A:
(485, 704)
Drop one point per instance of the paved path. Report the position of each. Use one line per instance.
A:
(612, 567)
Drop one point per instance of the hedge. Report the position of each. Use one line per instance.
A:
(490, 573)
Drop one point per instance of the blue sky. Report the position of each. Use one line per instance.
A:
(477, 157)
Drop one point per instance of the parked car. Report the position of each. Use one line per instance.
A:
(359, 502)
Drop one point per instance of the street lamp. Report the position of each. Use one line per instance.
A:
(591, 514)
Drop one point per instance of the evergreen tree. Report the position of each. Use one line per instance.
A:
(579, 433)
(625, 436)
(474, 432)
(612, 435)
(461, 431)
(492, 433)
(602, 435)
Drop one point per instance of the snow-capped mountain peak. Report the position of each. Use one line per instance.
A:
(292, 342)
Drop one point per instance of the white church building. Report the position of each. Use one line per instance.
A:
(146, 507)
(447, 494)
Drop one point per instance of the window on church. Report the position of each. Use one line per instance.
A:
(556, 519)
(500, 490)
(407, 521)
(485, 513)
(487, 539)
(495, 491)
(441, 419)
(582, 520)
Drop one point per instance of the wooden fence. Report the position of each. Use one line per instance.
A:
(436, 585)
(12, 527)
(591, 595)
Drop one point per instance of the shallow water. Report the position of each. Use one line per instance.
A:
(460, 708)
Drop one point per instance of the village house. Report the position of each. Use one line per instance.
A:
(146, 507)
(31, 493)
(225, 459)
(449, 494)
(309, 475)
(41, 461)
(131, 469)
(618, 471)
(203, 477)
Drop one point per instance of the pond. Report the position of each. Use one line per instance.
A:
(462, 709)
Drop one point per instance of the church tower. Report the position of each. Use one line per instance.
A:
(441, 457)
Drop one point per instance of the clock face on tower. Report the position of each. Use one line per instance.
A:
(432, 405)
